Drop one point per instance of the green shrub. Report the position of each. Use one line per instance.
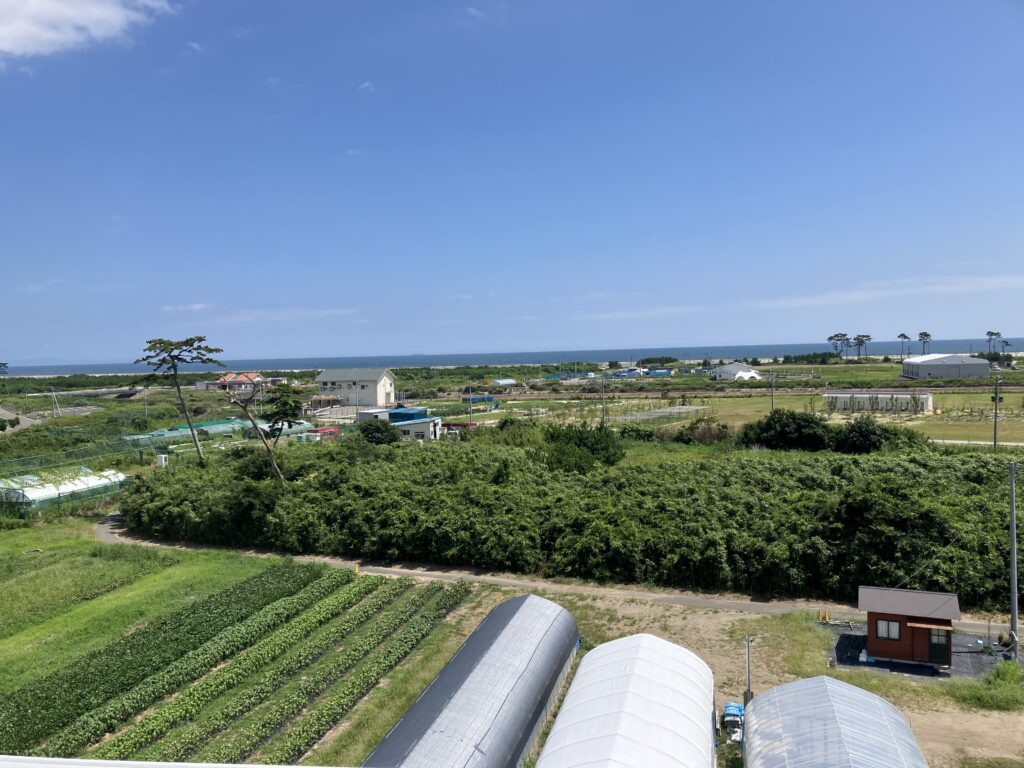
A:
(379, 432)
(788, 431)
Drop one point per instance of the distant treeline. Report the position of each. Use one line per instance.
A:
(772, 523)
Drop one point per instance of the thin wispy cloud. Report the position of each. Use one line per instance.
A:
(274, 80)
(640, 312)
(475, 13)
(459, 297)
(354, 152)
(41, 287)
(366, 87)
(186, 307)
(42, 28)
(264, 314)
(194, 46)
(926, 286)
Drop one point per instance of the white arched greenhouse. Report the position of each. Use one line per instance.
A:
(636, 702)
(42, 490)
(820, 722)
(485, 708)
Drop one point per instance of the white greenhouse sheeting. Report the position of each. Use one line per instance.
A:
(822, 722)
(636, 702)
(32, 489)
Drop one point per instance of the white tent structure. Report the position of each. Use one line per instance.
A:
(822, 722)
(636, 702)
(32, 489)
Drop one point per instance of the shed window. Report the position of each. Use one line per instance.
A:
(937, 636)
(420, 435)
(362, 386)
(405, 432)
(887, 630)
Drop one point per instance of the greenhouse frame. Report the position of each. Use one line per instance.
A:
(486, 706)
(822, 721)
(636, 702)
(38, 491)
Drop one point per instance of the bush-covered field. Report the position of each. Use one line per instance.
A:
(808, 524)
(264, 666)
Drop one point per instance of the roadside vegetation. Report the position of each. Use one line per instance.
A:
(558, 501)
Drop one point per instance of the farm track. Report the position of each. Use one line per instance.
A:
(111, 529)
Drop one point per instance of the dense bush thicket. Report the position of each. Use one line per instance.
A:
(792, 430)
(771, 523)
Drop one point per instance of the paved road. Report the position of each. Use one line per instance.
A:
(111, 530)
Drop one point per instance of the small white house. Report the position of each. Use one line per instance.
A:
(428, 428)
(878, 402)
(735, 372)
(939, 366)
(370, 387)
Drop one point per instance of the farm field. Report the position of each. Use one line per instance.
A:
(198, 655)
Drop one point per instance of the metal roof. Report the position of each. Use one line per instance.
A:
(734, 367)
(484, 707)
(636, 702)
(908, 602)
(938, 357)
(821, 722)
(353, 374)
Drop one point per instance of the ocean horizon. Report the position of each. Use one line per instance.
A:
(713, 352)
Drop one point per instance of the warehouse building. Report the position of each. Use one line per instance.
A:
(878, 402)
(821, 721)
(939, 366)
(636, 702)
(910, 624)
(485, 708)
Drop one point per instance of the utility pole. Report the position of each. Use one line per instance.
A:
(1014, 598)
(748, 694)
(995, 415)
(772, 376)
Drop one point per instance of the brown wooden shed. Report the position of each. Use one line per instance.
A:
(910, 624)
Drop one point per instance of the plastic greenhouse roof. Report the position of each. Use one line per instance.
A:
(636, 702)
(821, 722)
(484, 707)
(32, 488)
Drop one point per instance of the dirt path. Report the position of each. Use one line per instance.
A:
(111, 529)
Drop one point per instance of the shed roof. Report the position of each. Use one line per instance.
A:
(734, 367)
(636, 702)
(821, 721)
(941, 359)
(909, 602)
(353, 374)
(481, 710)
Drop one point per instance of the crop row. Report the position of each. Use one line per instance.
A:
(191, 701)
(38, 709)
(91, 726)
(246, 737)
(327, 713)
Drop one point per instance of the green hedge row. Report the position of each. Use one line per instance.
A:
(40, 708)
(327, 713)
(244, 739)
(191, 701)
(93, 725)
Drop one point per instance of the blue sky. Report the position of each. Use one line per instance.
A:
(341, 178)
